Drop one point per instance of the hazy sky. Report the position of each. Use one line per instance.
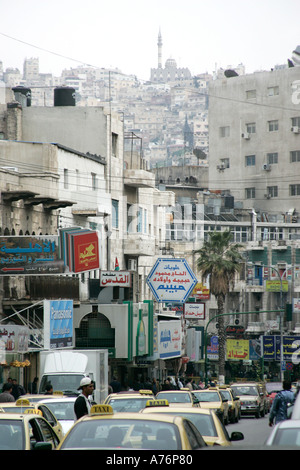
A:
(198, 34)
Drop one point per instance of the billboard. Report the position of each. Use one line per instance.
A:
(58, 323)
(72, 251)
(169, 339)
(171, 280)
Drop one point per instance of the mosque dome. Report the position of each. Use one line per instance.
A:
(171, 63)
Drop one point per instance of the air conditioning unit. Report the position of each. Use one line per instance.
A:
(266, 167)
(246, 135)
(295, 129)
(132, 264)
(267, 196)
(221, 167)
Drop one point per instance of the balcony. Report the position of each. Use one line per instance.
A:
(139, 178)
(29, 289)
(138, 244)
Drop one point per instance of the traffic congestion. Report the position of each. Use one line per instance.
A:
(212, 417)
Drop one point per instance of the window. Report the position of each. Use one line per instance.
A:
(296, 122)
(251, 128)
(250, 94)
(250, 193)
(250, 160)
(294, 189)
(272, 191)
(66, 178)
(225, 162)
(272, 158)
(114, 144)
(273, 90)
(94, 182)
(295, 156)
(273, 126)
(115, 213)
(225, 131)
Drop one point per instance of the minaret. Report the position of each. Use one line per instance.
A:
(159, 44)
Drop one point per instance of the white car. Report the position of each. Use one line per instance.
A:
(63, 410)
(285, 434)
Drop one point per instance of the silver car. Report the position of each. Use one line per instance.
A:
(285, 434)
(63, 410)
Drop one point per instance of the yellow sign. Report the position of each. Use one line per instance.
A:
(101, 409)
(237, 349)
(276, 286)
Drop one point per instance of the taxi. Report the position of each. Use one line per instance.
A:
(26, 431)
(182, 397)
(130, 401)
(21, 405)
(234, 404)
(206, 421)
(105, 429)
(211, 398)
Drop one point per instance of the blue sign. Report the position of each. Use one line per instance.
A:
(171, 280)
(61, 323)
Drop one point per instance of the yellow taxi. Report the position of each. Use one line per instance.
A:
(22, 404)
(182, 397)
(105, 429)
(26, 431)
(234, 404)
(130, 401)
(35, 397)
(212, 398)
(206, 421)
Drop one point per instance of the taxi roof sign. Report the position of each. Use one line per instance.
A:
(33, 411)
(145, 392)
(22, 402)
(101, 410)
(151, 403)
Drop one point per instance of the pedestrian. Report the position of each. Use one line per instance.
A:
(82, 405)
(32, 387)
(280, 404)
(154, 386)
(166, 385)
(115, 385)
(49, 389)
(17, 390)
(6, 395)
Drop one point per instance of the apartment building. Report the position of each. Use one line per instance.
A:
(254, 139)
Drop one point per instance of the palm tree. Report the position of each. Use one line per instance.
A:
(219, 260)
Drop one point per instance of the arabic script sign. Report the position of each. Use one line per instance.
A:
(115, 278)
(171, 280)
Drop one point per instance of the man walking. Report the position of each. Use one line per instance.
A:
(82, 405)
(280, 404)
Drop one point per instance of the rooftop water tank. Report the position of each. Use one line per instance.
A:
(64, 96)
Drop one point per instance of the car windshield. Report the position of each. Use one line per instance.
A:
(62, 410)
(287, 437)
(226, 395)
(118, 433)
(11, 435)
(14, 409)
(245, 390)
(204, 423)
(173, 397)
(64, 382)
(207, 396)
(128, 404)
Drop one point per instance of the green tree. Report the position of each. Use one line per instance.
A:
(219, 260)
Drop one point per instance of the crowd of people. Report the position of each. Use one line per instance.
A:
(169, 383)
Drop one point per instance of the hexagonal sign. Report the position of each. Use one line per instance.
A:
(171, 280)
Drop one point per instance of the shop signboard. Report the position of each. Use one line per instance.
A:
(171, 280)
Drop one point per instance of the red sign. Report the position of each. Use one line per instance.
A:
(85, 251)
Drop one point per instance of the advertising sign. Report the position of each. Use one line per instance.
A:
(30, 255)
(13, 339)
(276, 286)
(169, 338)
(237, 349)
(171, 280)
(194, 311)
(271, 348)
(115, 278)
(201, 291)
(58, 323)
